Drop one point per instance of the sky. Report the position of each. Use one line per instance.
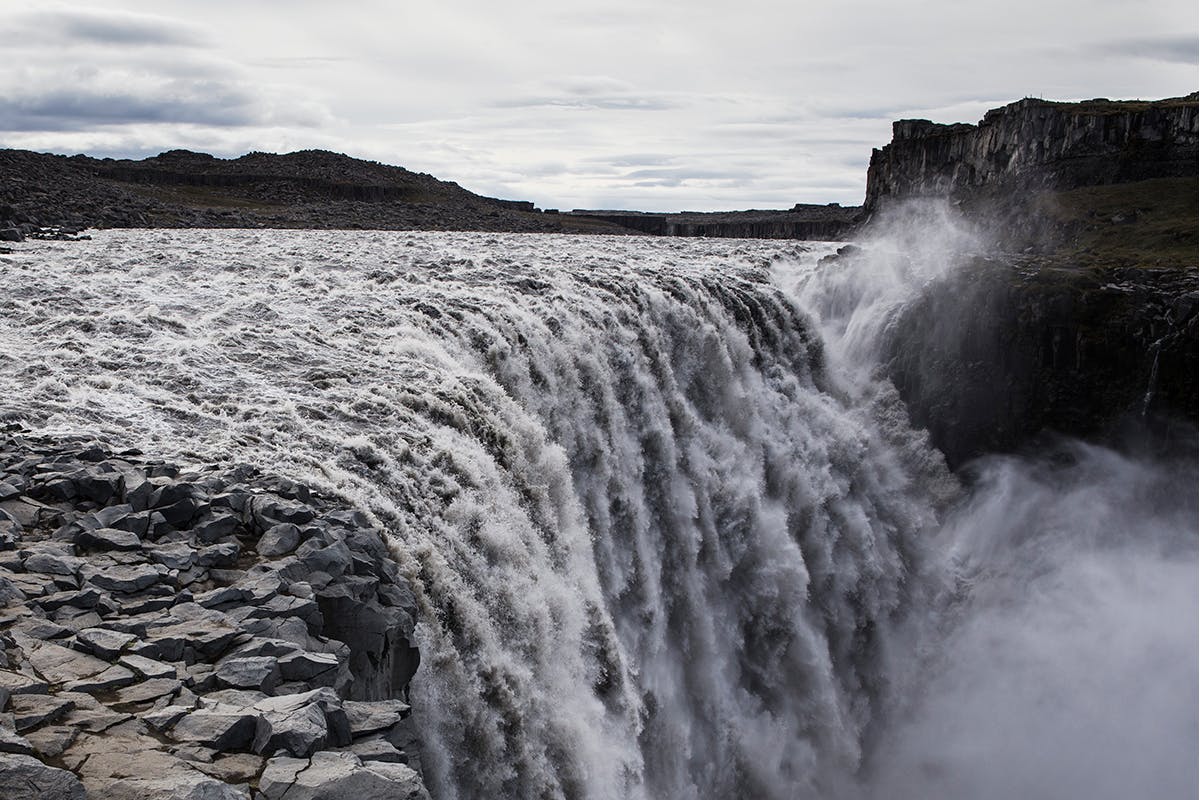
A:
(637, 104)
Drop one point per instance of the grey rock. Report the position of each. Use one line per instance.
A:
(317, 669)
(126, 579)
(214, 526)
(87, 597)
(278, 540)
(108, 516)
(12, 683)
(23, 777)
(374, 716)
(115, 677)
(220, 729)
(339, 776)
(10, 742)
(224, 595)
(233, 768)
(102, 642)
(222, 555)
(333, 560)
(179, 513)
(163, 719)
(108, 539)
(259, 672)
(147, 691)
(33, 710)
(148, 668)
(51, 740)
(59, 665)
(52, 564)
(377, 748)
(173, 556)
(292, 724)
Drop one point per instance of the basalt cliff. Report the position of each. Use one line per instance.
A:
(1077, 312)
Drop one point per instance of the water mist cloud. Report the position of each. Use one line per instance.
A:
(1069, 669)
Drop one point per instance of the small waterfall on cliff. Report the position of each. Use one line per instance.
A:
(668, 543)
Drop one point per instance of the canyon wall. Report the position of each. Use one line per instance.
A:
(1037, 144)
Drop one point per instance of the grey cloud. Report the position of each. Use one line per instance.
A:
(110, 28)
(611, 103)
(76, 109)
(1173, 49)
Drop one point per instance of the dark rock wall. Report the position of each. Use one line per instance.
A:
(997, 354)
(1035, 143)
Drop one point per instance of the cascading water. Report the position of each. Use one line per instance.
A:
(664, 546)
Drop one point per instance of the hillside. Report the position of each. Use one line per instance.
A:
(307, 189)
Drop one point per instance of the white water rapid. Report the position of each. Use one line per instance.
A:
(671, 537)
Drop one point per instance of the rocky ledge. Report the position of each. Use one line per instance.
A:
(196, 635)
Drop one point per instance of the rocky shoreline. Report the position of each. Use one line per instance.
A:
(211, 634)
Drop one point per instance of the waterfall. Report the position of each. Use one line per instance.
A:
(670, 536)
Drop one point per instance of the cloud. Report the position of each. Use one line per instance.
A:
(1170, 49)
(73, 25)
(115, 68)
(79, 109)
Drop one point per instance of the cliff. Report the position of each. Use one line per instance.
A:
(1082, 316)
(1035, 144)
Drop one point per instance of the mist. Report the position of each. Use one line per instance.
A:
(1061, 657)
(1051, 651)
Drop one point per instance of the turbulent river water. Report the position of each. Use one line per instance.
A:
(671, 536)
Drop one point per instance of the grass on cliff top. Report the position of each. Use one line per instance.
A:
(1149, 223)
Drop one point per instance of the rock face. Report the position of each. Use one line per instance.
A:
(1037, 144)
(999, 352)
(150, 648)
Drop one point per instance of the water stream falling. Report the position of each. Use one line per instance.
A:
(671, 537)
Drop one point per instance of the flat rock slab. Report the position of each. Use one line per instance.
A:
(127, 579)
(59, 664)
(32, 710)
(147, 667)
(17, 683)
(339, 776)
(218, 729)
(371, 717)
(115, 677)
(25, 778)
(102, 642)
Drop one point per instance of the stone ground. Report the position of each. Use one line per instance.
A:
(195, 635)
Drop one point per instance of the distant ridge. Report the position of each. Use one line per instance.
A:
(305, 189)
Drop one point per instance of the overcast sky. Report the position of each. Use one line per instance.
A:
(623, 104)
